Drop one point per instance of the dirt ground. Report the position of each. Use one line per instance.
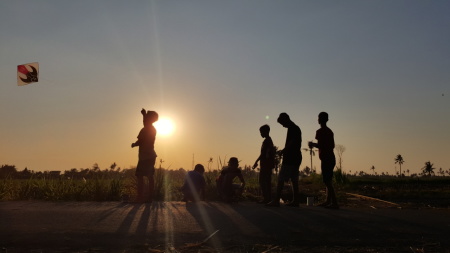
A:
(37, 226)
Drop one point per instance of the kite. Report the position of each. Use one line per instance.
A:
(27, 73)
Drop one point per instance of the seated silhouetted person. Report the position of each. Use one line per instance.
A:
(228, 190)
(194, 184)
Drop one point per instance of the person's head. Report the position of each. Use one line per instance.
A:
(233, 162)
(323, 118)
(199, 168)
(284, 119)
(151, 117)
(264, 130)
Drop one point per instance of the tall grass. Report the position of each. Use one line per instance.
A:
(117, 186)
(110, 187)
(96, 189)
(402, 188)
(340, 177)
(6, 187)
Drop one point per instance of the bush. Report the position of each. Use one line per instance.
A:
(340, 177)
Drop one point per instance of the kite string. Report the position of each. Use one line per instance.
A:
(48, 81)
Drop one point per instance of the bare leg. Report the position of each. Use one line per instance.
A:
(140, 188)
(268, 188)
(276, 201)
(331, 194)
(151, 188)
(328, 195)
(295, 201)
(265, 185)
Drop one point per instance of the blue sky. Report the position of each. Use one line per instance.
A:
(220, 70)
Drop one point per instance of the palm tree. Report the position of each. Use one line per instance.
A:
(311, 154)
(400, 161)
(428, 168)
(441, 172)
(373, 169)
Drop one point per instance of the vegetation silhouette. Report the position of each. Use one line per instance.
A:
(312, 153)
(399, 159)
(115, 184)
(428, 169)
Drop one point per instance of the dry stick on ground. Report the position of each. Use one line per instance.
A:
(193, 245)
(155, 251)
(366, 197)
(272, 248)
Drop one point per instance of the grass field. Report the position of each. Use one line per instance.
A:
(116, 185)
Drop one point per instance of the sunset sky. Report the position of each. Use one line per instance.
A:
(219, 70)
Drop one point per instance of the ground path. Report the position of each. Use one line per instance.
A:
(36, 226)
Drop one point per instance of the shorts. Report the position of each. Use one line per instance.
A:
(289, 172)
(146, 168)
(327, 166)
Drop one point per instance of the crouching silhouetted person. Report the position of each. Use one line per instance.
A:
(227, 190)
(194, 184)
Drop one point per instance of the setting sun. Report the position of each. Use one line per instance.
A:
(164, 126)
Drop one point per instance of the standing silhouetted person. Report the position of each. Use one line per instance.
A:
(266, 161)
(325, 144)
(292, 158)
(194, 184)
(147, 155)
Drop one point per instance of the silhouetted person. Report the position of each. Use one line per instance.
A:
(266, 161)
(292, 158)
(325, 144)
(147, 155)
(194, 184)
(225, 180)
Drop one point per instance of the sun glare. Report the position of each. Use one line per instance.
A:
(164, 126)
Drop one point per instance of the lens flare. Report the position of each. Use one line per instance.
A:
(165, 126)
